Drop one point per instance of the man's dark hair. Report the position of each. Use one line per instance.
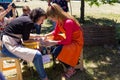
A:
(36, 13)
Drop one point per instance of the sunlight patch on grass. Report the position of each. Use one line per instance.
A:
(90, 71)
(102, 72)
(91, 64)
(63, 78)
(107, 58)
(47, 65)
(104, 63)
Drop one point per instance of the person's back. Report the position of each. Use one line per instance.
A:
(26, 10)
(62, 3)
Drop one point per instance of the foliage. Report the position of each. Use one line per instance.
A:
(99, 2)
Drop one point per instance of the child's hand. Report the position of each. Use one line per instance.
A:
(45, 38)
(50, 43)
(42, 41)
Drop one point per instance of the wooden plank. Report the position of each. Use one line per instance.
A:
(96, 35)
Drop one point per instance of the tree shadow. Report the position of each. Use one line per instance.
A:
(98, 21)
(106, 67)
(56, 74)
(106, 62)
(89, 21)
(101, 21)
(29, 73)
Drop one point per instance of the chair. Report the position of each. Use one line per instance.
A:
(80, 63)
(5, 68)
(16, 66)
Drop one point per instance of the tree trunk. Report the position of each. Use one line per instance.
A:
(82, 11)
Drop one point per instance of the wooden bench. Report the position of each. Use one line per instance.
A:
(99, 35)
(16, 67)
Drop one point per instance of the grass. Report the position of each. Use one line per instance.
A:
(101, 63)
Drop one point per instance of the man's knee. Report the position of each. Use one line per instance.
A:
(38, 55)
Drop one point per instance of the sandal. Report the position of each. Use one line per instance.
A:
(70, 72)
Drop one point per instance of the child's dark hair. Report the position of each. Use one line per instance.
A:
(36, 13)
(26, 8)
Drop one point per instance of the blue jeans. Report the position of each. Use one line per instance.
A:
(1, 76)
(38, 63)
(55, 50)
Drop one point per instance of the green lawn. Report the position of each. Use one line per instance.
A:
(100, 63)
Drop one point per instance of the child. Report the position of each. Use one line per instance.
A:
(70, 45)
